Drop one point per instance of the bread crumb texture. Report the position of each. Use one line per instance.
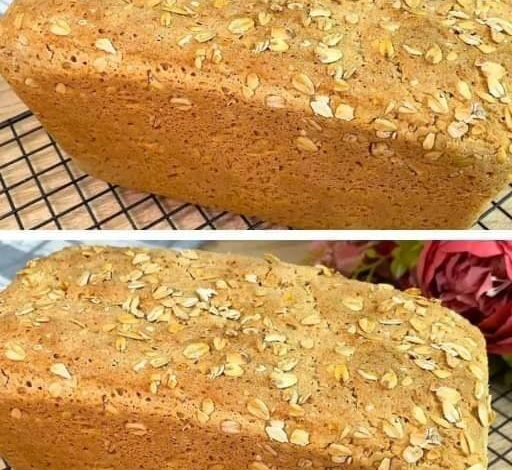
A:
(333, 114)
(163, 359)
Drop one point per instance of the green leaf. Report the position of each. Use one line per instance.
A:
(508, 378)
(495, 364)
(508, 359)
(398, 269)
(371, 253)
(405, 257)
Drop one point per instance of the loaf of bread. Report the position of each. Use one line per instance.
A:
(314, 114)
(121, 358)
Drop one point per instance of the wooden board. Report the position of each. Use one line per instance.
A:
(10, 104)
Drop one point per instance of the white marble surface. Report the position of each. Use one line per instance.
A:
(4, 4)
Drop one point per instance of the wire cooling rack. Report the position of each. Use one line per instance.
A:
(500, 438)
(42, 188)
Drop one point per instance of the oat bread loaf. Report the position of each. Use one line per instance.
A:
(119, 358)
(314, 114)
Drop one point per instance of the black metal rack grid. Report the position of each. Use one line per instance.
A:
(500, 437)
(42, 188)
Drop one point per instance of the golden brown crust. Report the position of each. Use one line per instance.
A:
(367, 114)
(225, 362)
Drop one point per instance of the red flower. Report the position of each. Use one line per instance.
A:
(474, 278)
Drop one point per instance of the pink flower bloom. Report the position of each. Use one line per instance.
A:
(343, 256)
(365, 260)
(474, 278)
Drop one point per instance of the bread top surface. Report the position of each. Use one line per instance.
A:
(432, 72)
(293, 355)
